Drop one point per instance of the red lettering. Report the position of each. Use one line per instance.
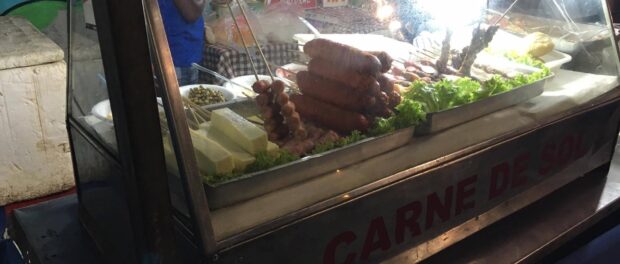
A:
(499, 171)
(565, 151)
(519, 166)
(407, 218)
(329, 257)
(376, 229)
(463, 193)
(434, 205)
(548, 159)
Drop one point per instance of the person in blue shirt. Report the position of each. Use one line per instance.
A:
(185, 30)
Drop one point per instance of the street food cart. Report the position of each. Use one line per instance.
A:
(368, 147)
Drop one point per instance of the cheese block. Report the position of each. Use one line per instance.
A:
(241, 158)
(272, 147)
(245, 134)
(211, 157)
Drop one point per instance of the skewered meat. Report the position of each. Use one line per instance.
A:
(346, 56)
(442, 63)
(332, 92)
(329, 136)
(260, 86)
(395, 99)
(385, 59)
(361, 82)
(288, 109)
(386, 83)
(298, 146)
(480, 40)
(278, 112)
(277, 88)
(328, 115)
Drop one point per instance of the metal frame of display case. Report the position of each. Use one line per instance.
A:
(352, 229)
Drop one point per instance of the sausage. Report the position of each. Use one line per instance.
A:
(386, 83)
(385, 59)
(331, 92)
(267, 112)
(328, 115)
(260, 86)
(343, 55)
(410, 76)
(360, 82)
(383, 98)
(262, 99)
(329, 136)
(277, 87)
(394, 99)
(282, 99)
(294, 121)
(288, 109)
(301, 133)
(298, 146)
(382, 111)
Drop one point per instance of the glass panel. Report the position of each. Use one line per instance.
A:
(89, 102)
(339, 113)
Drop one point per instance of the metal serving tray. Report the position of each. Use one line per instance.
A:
(438, 121)
(262, 182)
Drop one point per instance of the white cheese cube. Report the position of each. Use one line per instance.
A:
(211, 157)
(272, 147)
(241, 158)
(245, 134)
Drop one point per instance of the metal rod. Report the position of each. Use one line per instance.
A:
(505, 12)
(260, 50)
(310, 26)
(245, 45)
(288, 83)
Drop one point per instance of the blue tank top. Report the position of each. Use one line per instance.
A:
(186, 40)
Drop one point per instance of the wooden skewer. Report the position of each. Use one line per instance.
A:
(505, 13)
(205, 113)
(288, 83)
(245, 46)
(260, 50)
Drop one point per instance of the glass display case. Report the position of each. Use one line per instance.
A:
(333, 131)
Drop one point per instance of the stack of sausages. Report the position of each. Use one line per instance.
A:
(344, 87)
(280, 117)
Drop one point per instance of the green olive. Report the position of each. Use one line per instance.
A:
(205, 96)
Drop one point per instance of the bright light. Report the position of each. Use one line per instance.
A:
(394, 25)
(384, 12)
(453, 13)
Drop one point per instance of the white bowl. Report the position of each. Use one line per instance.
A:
(228, 94)
(102, 110)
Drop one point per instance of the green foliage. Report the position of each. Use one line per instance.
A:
(446, 94)
(408, 113)
(525, 59)
(355, 136)
(265, 160)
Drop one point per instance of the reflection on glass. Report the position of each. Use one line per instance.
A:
(89, 102)
(185, 31)
(353, 78)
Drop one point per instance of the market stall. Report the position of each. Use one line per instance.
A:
(339, 146)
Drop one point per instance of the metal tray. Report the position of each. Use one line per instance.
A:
(438, 121)
(588, 36)
(262, 182)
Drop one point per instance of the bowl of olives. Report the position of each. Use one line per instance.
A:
(206, 94)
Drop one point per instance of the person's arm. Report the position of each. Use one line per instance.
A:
(190, 10)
